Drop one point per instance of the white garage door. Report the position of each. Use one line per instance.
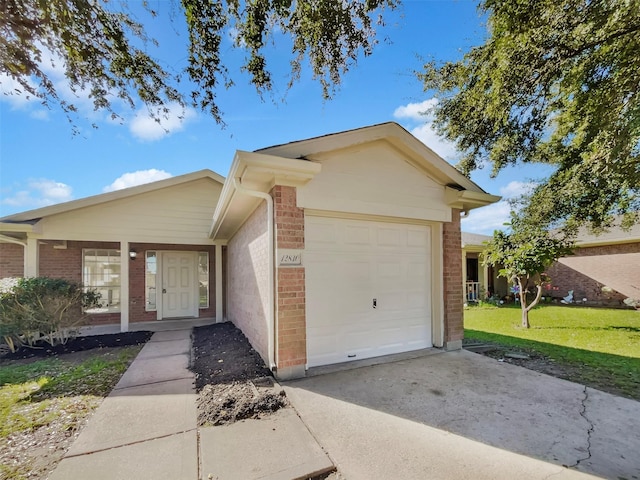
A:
(368, 289)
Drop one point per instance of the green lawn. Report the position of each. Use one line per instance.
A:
(600, 347)
(55, 395)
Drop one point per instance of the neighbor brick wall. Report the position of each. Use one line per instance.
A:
(247, 266)
(292, 328)
(592, 268)
(11, 260)
(452, 279)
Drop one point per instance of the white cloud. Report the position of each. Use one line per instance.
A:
(515, 189)
(419, 113)
(13, 93)
(144, 127)
(427, 135)
(416, 111)
(39, 193)
(487, 219)
(140, 177)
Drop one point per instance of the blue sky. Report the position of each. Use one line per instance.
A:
(42, 162)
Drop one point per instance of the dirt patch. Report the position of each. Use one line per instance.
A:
(79, 344)
(232, 381)
(582, 374)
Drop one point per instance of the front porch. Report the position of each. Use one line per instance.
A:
(153, 326)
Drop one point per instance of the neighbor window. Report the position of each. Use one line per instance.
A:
(151, 270)
(101, 272)
(203, 279)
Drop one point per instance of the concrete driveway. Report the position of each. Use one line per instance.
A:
(462, 415)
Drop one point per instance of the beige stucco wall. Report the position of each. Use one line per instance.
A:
(374, 179)
(177, 214)
(248, 280)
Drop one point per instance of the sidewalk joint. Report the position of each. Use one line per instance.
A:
(137, 442)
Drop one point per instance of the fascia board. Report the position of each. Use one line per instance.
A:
(468, 200)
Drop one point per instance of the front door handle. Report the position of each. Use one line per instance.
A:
(164, 290)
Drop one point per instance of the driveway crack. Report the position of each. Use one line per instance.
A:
(583, 414)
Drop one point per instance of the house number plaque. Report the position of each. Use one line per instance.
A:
(289, 258)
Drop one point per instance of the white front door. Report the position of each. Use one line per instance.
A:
(368, 288)
(179, 284)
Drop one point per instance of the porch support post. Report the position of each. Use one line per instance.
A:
(219, 280)
(485, 280)
(464, 276)
(31, 257)
(124, 286)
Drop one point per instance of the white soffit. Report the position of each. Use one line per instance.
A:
(258, 172)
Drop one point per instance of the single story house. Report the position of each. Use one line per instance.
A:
(326, 250)
(604, 269)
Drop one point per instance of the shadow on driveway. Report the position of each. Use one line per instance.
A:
(398, 419)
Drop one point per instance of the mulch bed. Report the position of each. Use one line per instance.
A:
(79, 344)
(233, 382)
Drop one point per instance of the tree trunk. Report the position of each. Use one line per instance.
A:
(523, 302)
(525, 318)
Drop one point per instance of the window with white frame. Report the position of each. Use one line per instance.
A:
(101, 272)
(151, 270)
(203, 279)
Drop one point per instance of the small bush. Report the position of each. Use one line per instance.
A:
(42, 308)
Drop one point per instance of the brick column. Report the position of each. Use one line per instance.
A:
(452, 283)
(290, 295)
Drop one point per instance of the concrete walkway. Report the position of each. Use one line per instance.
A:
(147, 429)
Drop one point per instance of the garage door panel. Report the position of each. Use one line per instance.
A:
(358, 235)
(348, 263)
(322, 234)
(390, 236)
(418, 238)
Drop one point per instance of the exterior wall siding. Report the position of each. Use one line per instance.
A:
(67, 263)
(291, 295)
(452, 281)
(11, 260)
(247, 266)
(176, 215)
(591, 269)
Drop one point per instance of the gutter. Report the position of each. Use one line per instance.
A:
(272, 317)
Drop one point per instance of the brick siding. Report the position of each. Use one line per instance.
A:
(452, 279)
(292, 327)
(247, 266)
(592, 268)
(67, 263)
(11, 260)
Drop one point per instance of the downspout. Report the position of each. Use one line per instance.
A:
(271, 321)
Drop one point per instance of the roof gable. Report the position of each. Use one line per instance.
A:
(31, 216)
(390, 132)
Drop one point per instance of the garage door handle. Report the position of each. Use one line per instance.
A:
(375, 302)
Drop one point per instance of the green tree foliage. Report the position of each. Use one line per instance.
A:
(523, 254)
(556, 82)
(42, 308)
(101, 46)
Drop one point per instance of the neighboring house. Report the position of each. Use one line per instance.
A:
(321, 251)
(604, 269)
(479, 282)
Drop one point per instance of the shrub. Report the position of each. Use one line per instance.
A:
(44, 308)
